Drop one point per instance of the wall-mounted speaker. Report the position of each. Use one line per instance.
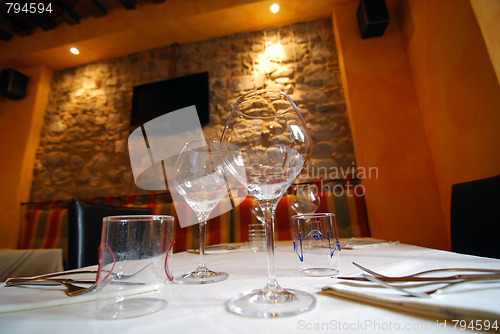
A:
(13, 84)
(373, 18)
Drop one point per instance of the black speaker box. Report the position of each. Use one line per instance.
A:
(13, 84)
(373, 18)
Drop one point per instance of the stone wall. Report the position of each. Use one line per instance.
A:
(83, 148)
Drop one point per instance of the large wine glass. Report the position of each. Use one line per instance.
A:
(199, 178)
(264, 146)
(305, 198)
(257, 211)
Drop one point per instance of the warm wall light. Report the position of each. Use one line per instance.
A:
(274, 8)
(275, 52)
(74, 51)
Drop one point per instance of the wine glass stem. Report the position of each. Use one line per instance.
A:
(201, 265)
(271, 263)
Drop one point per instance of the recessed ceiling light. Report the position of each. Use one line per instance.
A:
(274, 8)
(74, 51)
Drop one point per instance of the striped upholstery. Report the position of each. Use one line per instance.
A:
(232, 226)
(47, 228)
(350, 213)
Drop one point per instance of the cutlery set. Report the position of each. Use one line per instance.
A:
(399, 283)
(72, 285)
(51, 279)
(403, 283)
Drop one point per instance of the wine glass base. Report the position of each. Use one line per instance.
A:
(132, 308)
(272, 304)
(319, 272)
(205, 276)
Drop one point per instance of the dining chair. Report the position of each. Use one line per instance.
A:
(475, 217)
(85, 229)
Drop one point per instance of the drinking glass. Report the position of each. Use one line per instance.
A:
(257, 232)
(316, 244)
(305, 198)
(133, 265)
(199, 178)
(264, 146)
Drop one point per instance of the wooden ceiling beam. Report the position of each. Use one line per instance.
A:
(66, 12)
(97, 9)
(5, 35)
(41, 20)
(129, 4)
(19, 24)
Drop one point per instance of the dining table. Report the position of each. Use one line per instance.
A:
(342, 306)
(29, 262)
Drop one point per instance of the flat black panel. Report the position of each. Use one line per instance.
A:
(156, 99)
(13, 84)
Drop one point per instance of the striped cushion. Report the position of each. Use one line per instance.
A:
(46, 229)
(350, 213)
(232, 226)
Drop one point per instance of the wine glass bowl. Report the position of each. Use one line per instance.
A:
(199, 179)
(305, 198)
(264, 146)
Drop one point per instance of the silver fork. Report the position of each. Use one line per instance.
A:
(424, 294)
(397, 288)
(71, 289)
(496, 271)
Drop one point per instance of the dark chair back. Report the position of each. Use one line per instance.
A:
(475, 217)
(85, 229)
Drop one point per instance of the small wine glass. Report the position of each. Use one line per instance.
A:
(305, 198)
(199, 178)
(264, 146)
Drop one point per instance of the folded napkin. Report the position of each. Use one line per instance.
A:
(468, 301)
(31, 297)
(22, 298)
(358, 243)
(222, 248)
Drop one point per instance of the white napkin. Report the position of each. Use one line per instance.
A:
(22, 298)
(357, 243)
(468, 301)
(31, 297)
(223, 248)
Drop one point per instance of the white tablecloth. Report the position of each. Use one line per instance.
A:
(202, 308)
(29, 262)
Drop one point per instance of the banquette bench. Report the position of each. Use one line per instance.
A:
(45, 224)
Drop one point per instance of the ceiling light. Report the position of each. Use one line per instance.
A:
(74, 51)
(274, 8)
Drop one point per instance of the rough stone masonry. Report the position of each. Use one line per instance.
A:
(83, 147)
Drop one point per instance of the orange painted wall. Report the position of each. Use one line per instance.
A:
(457, 89)
(20, 127)
(488, 15)
(403, 203)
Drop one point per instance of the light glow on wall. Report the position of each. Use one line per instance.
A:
(275, 52)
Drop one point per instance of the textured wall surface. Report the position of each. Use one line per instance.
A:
(83, 147)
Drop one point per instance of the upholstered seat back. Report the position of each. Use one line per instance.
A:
(475, 217)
